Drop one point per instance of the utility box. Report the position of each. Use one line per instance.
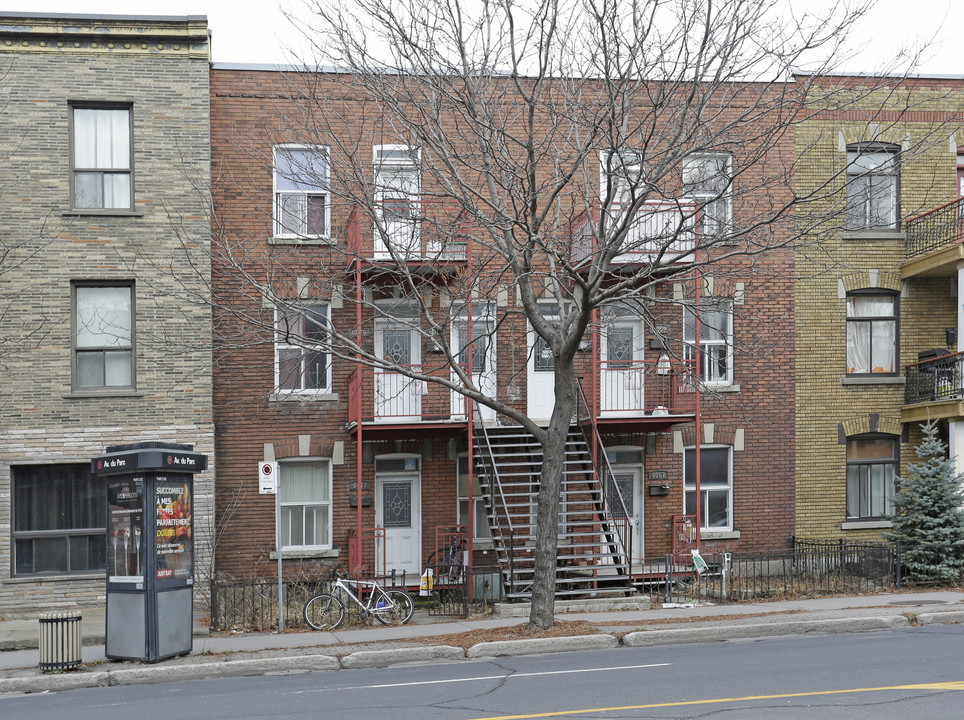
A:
(150, 548)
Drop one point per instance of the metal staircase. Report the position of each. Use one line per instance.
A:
(593, 549)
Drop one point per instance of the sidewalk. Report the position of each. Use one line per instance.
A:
(259, 653)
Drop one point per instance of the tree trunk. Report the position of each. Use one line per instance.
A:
(542, 610)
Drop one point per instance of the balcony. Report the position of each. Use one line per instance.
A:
(934, 242)
(660, 233)
(416, 233)
(657, 392)
(934, 389)
(385, 400)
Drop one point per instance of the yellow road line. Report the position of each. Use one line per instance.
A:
(945, 686)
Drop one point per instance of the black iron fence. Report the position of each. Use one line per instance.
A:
(934, 380)
(934, 229)
(457, 591)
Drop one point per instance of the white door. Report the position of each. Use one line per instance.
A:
(483, 363)
(541, 393)
(630, 484)
(398, 511)
(398, 398)
(622, 376)
(397, 188)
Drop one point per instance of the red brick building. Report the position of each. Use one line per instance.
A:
(307, 281)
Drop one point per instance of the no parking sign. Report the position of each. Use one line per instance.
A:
(268, 478)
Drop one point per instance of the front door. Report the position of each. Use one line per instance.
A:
(541, 392)
(398, 511)
(622, 377)
(630, 484)
(483, 362)
(398, 398)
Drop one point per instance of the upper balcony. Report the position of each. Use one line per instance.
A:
(419, 237)
(661, 233)
(934, 242)
(934, 389)
(644, 393)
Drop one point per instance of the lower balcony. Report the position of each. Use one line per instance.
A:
(934, 389)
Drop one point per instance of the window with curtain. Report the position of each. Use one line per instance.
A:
(59, 520)
(301, 191)
(872, 175)
(101, 159)
(305, 498)
(871, 471)
(103, 336)
(871, 334)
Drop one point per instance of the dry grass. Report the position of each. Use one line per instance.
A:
(469, 638)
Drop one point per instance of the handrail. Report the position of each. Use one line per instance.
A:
(494, 473)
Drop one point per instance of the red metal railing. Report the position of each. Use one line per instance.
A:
(425, 232)
(646, 387)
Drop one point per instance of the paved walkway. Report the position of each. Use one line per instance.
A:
(257, 653)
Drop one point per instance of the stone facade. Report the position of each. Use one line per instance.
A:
(157, 68)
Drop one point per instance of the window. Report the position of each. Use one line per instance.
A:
(397, 189)
(716, 340)
(103, 336)
(871, 333)
(301, 197)
(102, 166)
(301, 357)
(621, 175)
(59, 520)
(871, 186)
(708, 180)
(481, 522)
(305, 498)
(871, 469)
(716, 487)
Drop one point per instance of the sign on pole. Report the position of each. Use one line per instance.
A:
(268, 478)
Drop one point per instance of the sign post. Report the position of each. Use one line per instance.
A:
(268, 477)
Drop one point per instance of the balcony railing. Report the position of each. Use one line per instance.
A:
(386, 396)
(646, 387)
(659, 232)
(419, 232)
(935, 380)
(935, 229)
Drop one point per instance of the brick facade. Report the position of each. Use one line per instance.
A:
(159, 69)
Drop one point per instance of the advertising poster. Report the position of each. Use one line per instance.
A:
(125, 546)
(174, 541)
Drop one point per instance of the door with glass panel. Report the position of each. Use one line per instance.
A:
(483, 359)
(630, 484)
(541, 392)
(397, 190)
(398, 511)
(621, 377)
(398, 398)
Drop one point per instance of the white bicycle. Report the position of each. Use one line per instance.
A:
(326, 611)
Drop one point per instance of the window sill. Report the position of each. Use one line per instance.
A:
(86, 577)
(94, 394)
(722, 388)
(101, 213)
(866, 524)
(874, 234)
(720, 535)
(302, 397)
(301, 241)
(873, 380)
(306, 554)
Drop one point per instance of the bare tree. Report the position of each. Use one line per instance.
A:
(589, 154)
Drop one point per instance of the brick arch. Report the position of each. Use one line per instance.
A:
(870, 423)
(865, 280)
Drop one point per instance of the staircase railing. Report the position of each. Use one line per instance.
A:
(613, 503)
(503, 532)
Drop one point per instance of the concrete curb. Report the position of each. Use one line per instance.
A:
(732, 632)
(384, 658)
(53, 683)
(226, 668)
(537, 646)
(941, 618)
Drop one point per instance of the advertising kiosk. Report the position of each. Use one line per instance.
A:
(150, 548)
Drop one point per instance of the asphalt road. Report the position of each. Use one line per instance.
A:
(912, 672)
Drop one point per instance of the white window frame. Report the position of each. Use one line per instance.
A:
(873, 180)
(714, 350)
(855, 467)
(107, 162)
(873, 322)
(623, 176)
(289, 189)
(395, 159)
(305, 504)
(710, 487)
(115, 343)
(715, 204)
(477, 500)
(283, 333)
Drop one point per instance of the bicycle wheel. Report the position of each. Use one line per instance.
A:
(324, 612)
(399, 610)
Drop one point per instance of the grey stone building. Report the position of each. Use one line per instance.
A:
(104, 267)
